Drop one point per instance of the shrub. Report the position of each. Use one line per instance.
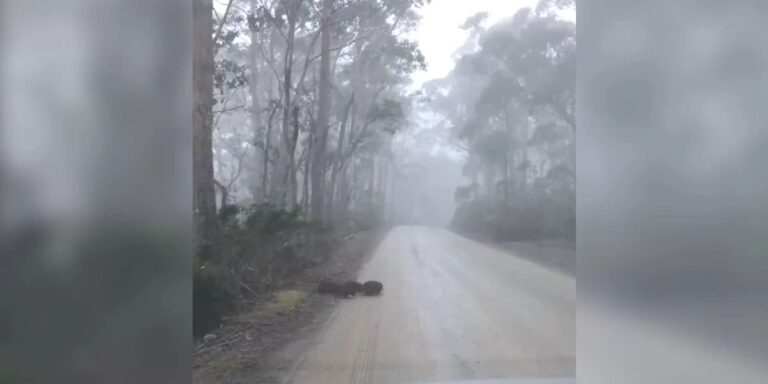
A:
(268, 219)
(535, 215)
(211, 298)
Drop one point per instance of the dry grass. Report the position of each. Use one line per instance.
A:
(287, 301)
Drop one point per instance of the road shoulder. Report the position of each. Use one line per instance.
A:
(254, 345)
(558, 255)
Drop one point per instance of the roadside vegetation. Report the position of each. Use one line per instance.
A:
(296, 106)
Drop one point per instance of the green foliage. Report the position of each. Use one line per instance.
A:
(546, 211)
(502, 92)
(559, 216)
(368, 214)
(491, 147)
(276, 45)
(260, 244)
(544, 133)
(228, 75)
(522, 73)
(517, 223)
(408, 57)
(464, 193)
(228, 214)
(560, 174)
(268, 243)
(263, 17)
(366, 220)
(475, 216)
(269, 219)
(551, 218)
(389, 114)
(474, 21)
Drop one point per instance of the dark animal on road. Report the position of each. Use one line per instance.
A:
(372, 288)
(331, 288)
(353, 287)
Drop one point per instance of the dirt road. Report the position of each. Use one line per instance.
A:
(452, 309)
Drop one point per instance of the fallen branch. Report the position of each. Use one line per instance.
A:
(248, 288)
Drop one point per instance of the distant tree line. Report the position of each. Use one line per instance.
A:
(511, 101)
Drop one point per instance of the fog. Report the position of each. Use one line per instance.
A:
(428, 170)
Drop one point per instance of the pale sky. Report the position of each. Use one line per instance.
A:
(439, 35)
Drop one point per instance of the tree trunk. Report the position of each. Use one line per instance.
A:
(381, 184)
(338, 159)
(305, 185)
(349, 184)
(323, 116)
(506, 165)
(340, 206)
(204, 197)
(288, 160)
(267, 146)
(224, 193)
(293, 187)
(525, 165)
(253, 86)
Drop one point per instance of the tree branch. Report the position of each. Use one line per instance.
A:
(234, 176)
(307, 61)
(221, 23)
(232, 109)
(354, 40)
(269, 61)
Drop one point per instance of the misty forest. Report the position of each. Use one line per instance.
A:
(311, 140)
